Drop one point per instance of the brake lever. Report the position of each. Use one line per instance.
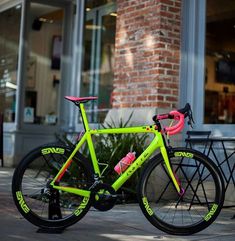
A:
(190, 117)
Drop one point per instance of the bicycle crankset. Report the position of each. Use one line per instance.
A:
(103, 197)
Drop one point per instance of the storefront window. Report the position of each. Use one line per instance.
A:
(220, 62)
(9, 48)
(43, 64)
(98, 62)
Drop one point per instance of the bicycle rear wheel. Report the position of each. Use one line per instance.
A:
(37, 201)
(190, 212)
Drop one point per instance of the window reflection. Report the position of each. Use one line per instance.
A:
(220, 62)
(9, 47)
(43, 64)
(98, 61)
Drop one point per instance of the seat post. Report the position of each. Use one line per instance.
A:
(84, 116)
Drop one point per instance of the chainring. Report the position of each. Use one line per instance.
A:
(103, 197)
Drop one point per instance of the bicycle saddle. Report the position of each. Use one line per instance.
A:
(77, 100)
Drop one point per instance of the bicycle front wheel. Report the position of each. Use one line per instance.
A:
(193, 210)
(34, 197)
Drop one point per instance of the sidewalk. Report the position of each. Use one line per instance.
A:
(123, 222)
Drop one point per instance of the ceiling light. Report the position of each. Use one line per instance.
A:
(11, 85)
(42, 19)
(92, 27)
(45, 20)
(18, 6)
(113, 14)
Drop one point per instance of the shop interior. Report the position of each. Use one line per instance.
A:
(43, 63)
(220, 63)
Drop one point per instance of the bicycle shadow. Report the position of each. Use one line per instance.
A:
(123, 222)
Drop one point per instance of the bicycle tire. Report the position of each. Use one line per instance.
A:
(33, 195)
(203, 194)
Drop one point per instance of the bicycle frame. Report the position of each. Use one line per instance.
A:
(156, 143)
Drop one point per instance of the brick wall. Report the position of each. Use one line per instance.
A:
(147, 54)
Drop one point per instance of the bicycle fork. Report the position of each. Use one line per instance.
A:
(173, 176)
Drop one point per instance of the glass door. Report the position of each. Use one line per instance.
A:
(98, 62)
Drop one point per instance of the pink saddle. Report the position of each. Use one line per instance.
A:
(77, 100)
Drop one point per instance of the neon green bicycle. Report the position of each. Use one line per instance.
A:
(180, 190)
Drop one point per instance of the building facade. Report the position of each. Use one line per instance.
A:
(146, 56)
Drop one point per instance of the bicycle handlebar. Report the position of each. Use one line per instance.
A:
(178, 115)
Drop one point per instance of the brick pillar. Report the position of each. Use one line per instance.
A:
(147, 54)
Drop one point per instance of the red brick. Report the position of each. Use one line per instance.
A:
(171, 98)
(168, 2)
(174, 9)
